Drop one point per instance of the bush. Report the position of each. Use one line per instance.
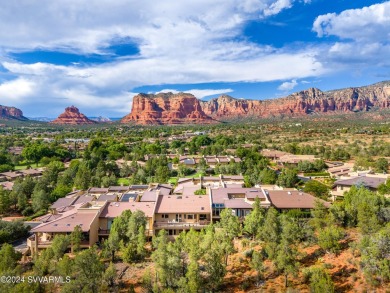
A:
(11, 231)
(248, 253)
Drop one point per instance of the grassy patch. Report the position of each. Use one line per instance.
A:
(123, 181)
(173, 180)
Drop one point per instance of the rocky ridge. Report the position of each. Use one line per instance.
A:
(8, 113)
(72, 116)
(301, 103)
(183, 108)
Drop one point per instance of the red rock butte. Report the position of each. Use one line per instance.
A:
(167, 108)
(72, 116)
(11, 113)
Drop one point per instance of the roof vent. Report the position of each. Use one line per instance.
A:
(178, 197)
(288, 192)
(55, 225)
(202, 208)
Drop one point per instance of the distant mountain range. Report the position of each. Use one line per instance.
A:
(184, 108)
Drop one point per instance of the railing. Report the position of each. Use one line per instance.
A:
(47, 243)
(103, 232)
(188, 225)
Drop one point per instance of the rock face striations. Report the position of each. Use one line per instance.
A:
(309, 101)
(185, 108)
(72, 116)
(8, 113)
(167, 108)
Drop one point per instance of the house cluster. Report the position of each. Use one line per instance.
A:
(193, 161)
(173, 210)
(283, 158)
(367, 180)
(7, 178)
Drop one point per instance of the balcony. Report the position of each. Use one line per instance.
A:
(181, 225)
(48, 243)
(102, 232)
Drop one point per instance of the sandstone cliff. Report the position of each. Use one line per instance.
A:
(11, 113)
(72, 116)
(166, 108)
(185, 108)
(301, 103)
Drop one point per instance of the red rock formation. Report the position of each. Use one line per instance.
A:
(11, 113)
(72, 116)
(185, 108)
(166, 109)
(305, 102)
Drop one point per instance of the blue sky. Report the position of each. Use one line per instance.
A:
(97, 55)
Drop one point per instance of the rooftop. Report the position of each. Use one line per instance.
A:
(115, 209)
(185, 204)
(294, 199)
(67, 223)
(371, 182)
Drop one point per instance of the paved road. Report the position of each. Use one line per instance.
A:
(21, 244)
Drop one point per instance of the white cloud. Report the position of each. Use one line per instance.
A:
(363, 33)
(277, 7)
(179, 42)
(288, 85)
(15, 90)
(199, 93)
(366, 24)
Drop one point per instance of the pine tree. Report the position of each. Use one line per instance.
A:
(254, 221)
(270, 233)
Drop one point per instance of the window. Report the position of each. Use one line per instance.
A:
(165, 216)
(190, 217)
(202, 217)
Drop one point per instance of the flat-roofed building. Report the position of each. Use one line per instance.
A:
(115, 209)
(239, 199)
(176, 213)
(292, 199)
(86, 216)
(370, 182)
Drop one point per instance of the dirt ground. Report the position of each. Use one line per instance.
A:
(343, 269)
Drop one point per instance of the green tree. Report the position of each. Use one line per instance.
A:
(287, 252)
(60, 245)
(36, 151)
(381, 165)
(64, 266)
(215, 267)
(320, 281)
(329, 237)
(230, 229)
(39, 200)
(270, 233)
(267, 176)
(5, 201)
(317, 189)
(375, 260)
(253, 222)
(75, 238)
(83, 177)
(8, 258)
(287, 178)
(258, 264)
(109, 276)
(89, 271)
